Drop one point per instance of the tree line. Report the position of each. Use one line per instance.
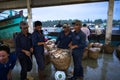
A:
(53, 23)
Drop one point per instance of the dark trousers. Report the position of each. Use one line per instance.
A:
(40, 61)
(77, 59)
(26, 65)
(41, 64)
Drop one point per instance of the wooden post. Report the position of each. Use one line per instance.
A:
(109, 22)
(29, 74)
(29, 16)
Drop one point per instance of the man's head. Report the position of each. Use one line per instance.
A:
(84, 25)
(37, 25)
(77, 25)
(24, 26)
(4, 53)
(66, 27)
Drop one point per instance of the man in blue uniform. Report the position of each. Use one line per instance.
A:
(38, 41)
(24, 50)
(7, 62)
(77, 45)
(64, 37)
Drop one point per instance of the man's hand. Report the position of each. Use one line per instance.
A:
(41, 43)
(31, 50)
(27, 53)
(73, 46)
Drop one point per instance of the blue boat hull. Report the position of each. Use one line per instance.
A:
(9, 26)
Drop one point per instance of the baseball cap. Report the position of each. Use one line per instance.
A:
(66, 25)
(77, 22)
(23, 24)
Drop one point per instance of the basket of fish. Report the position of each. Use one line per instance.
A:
(94, 53)
(108, 48)
(60, 58)
(97, 45)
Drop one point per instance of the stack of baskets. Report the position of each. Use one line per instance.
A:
(61, 58)
(93, 50)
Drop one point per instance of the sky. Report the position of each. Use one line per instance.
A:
(85, 11)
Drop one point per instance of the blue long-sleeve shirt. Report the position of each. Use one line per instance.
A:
(4, 68)
(63, 40)
(38, 37)
(79, 39)
(23, 42)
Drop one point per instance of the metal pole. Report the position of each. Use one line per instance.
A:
(109, 22)
(29, 16)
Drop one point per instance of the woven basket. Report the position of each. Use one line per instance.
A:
(101, 47)
(61, 63)
(93, 54)
(90, 45)
(108, 49)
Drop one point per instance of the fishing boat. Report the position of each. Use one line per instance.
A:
(9, 23)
